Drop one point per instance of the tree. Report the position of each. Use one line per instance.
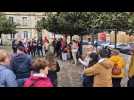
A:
(6, 27)
(88, 22)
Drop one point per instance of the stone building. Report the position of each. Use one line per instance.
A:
(26, 22)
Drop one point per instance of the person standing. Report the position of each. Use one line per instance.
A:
(90, 59)
(14, 46)
(29, 47)
(39, 77)
(21, 65)
(118, 69)
(54, 45)
(7, 77)
(34, 47)
(64, 52)
(58, 48)
(101, 71)
(39, 47)
(74, 49)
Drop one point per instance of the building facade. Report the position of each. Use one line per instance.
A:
(26, 23)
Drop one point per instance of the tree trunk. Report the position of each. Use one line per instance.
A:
(93, 38)
(115, 39)
(0, 35)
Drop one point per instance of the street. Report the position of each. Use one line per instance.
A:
(69, 75)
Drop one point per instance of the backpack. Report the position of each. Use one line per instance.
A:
(116, 70)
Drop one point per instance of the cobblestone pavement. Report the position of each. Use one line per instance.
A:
(69, 75)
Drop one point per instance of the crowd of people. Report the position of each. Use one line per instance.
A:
(20, 69)
(32, 47)
(102, 66)
(105, 67)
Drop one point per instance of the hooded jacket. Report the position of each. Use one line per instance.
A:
(116, 59)
(7, 77)
(38, 80)
(21, 64)
(102, 72)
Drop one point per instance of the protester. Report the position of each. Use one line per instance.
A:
(54, 68)
(39, 77)
(39, 47)
(118, 69)
(7, 77)
(64, 52)
(46, 44)
(74, 50)
(34, 47)
(90, 59)
(69, 55)
(101, 71)
(58, 48)
(131, 71)
(54, 45)
(21, 64)
(14, 46)
(29, 47)
(25, 43)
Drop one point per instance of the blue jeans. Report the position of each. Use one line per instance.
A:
(21, 82)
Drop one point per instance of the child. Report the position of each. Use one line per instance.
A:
(39, 77)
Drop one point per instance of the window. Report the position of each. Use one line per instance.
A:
(24, 21)
(11, 19)
(25, 34)
(12, 36)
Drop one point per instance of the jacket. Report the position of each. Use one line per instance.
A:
(101, 72)
(21, 64)
(38, 80)
(120, 63)
(7, 77)
(131, 67)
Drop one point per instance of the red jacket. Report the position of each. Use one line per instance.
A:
(35, 81)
